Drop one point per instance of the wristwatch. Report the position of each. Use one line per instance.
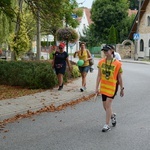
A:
(122, 88)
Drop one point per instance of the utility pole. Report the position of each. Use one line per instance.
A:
(137, 32)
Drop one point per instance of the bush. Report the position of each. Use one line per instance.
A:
(32, 74)
(75, 71)
(27, 74)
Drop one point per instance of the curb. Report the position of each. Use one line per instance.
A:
(47, 108)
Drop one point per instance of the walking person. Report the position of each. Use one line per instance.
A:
(115, 54)
(84, 55)
(59, 63)
(108, 70)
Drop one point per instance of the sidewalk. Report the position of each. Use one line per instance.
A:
(71, 91)
(11, 107)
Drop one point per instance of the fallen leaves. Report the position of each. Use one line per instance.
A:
(7, 92)
(50, 108)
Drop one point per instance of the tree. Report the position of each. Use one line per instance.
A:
(5, 7)
(7, 15)
(90, 37)
(106, 13)
(112, 36)
(54, 15)
(20, 42)
(134, 4)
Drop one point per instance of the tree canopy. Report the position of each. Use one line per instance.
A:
(134, 4)
(53, 16)
(106, 13)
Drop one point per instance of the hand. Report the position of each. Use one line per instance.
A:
(97, 91)
(76, 53)
(122, 92)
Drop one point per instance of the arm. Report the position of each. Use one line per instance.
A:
(68, 63)
(75, 54)
(89, 55)
(121, 84)
(53, 61)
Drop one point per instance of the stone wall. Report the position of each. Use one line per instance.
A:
(126, 49)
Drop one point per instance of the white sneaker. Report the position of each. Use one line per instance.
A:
(106, 128)
(84, 88)
(113, 120)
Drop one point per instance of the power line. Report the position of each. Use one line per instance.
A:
(81, 3)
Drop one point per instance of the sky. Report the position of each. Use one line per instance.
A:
(86, 3)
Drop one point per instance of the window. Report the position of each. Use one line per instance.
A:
(148, 20)
(141, 45)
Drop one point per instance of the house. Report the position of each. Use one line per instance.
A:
(132, 12)
(140, 30)
(84, 22)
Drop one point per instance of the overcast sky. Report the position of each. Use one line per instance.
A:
(86, 3)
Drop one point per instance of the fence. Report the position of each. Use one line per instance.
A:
(95, 50)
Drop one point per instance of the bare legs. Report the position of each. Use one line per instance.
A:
(60, 81)
(108, 108)
(83, 79)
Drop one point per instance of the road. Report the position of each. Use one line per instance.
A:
(79, 127)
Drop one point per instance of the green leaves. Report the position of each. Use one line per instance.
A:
(67, 34)
(112, 35)
(106, 13)
(19, 43)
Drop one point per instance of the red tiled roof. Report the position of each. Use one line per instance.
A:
(88, 15)
(131, 12)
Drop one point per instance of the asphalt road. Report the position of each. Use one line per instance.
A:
(79, 127)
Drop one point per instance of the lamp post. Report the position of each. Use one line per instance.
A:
(137, 31)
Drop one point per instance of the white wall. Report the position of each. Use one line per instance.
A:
(146, 38)
(83, 24)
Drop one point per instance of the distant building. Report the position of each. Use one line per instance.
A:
(143, 29)
(84, 23)
(132, 12)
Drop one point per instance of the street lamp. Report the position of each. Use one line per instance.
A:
(137, 31)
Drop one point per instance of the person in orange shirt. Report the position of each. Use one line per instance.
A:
(109, 71)
(84, 55)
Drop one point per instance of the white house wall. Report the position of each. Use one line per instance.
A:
(83, 24)
(145, 38)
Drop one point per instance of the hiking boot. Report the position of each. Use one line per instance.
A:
(106, 128)
(113, 120)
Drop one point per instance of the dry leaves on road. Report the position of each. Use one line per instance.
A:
(50, 108)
